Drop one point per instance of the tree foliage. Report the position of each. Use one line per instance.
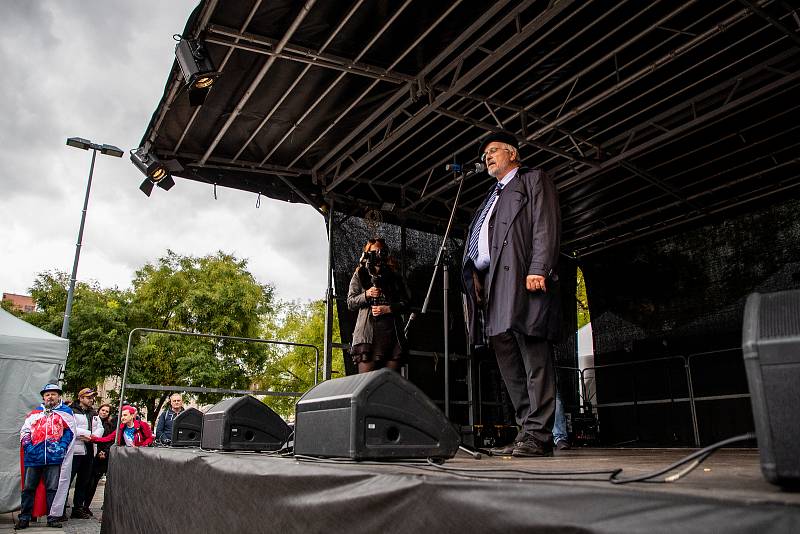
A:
(292, 368)
(98, 327)
(213, 295)
(582, 301)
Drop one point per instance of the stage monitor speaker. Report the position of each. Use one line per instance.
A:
(243, 424)
(187, 428)
(375, 415)
(771, 347)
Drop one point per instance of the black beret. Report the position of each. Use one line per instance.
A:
(502, 137)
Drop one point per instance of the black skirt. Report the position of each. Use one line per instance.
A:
(384, 344)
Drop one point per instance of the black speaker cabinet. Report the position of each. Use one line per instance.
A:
(243, 424)
(187, 428)
(771, 347)
(370, 416)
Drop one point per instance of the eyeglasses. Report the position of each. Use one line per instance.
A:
(378, 240)
(492, 150)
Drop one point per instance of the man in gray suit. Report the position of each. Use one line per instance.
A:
(511, 287)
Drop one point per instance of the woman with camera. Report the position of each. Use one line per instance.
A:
(378, 293)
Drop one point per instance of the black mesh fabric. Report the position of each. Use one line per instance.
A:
(684, 295)
(415, 252)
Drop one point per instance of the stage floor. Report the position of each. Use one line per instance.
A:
(189, 490)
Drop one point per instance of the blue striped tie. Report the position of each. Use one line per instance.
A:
(476, 230)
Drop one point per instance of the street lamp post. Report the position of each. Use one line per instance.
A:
(109, 150)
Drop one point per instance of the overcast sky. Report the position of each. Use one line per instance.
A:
(96, 69)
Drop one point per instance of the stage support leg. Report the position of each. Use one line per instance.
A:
(327, 353)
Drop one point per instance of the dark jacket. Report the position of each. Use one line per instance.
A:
(108, 428)
(524, 239)
(394, 289)
(164, 424)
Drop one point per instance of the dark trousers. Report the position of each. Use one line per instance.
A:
(526, 364)
(99, 468)
(32, 476)
(82, 474)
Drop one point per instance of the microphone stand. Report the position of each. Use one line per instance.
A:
(444, 253)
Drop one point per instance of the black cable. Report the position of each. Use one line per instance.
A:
(700, 455)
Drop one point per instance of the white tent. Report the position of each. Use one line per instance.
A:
(586, 362)
(29, 359)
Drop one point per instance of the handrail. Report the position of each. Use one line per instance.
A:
(185, 388)
(687, 361)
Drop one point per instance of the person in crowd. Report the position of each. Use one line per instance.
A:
(511, 287)
(560, 435)
(135, 432)
(377, 291)
(46, 438)
(100, 463)
(167, 418)
(83, 454)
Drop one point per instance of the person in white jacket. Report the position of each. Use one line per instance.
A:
(88, 424)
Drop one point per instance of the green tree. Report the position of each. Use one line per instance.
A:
(98, 326)
(582, 301)
(292, 368)
(214, 294)
(8, 306)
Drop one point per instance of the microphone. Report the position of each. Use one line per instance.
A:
(470, 168)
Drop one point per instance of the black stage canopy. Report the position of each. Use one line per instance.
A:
(671, 128)
(652, 115)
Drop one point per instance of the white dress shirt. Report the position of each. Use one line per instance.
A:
(482, 263)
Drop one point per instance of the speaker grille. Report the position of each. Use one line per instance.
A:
(780, 315)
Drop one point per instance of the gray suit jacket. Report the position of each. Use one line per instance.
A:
(524, 238)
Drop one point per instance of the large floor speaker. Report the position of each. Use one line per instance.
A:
(771, 347)
(376, 415)
(243, 424)
(187, 428)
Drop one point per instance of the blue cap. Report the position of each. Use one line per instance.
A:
(51, 387)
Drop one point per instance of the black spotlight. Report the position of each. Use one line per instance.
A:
(158, 172)
(197, 69)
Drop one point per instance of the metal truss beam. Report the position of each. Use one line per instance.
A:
(476, 71)
(257, 80)
(772, 20)
(688, 126)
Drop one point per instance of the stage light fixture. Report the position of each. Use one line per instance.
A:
(197, 68)
(157, 172)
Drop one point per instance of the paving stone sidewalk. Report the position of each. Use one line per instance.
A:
(73, 526)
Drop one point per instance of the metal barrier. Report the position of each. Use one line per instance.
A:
(202, 389)
(586, 399)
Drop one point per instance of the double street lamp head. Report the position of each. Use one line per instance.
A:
(85, 144)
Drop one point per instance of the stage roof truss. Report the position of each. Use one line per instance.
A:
(651, 116)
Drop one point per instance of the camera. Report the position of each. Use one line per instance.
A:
(373, 258)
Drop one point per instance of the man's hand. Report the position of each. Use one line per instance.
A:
(380, 310)
(101, 455)
(373, 292)
(534, 282)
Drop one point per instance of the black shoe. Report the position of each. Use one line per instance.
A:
(88, 512)
(505, 450)
(22, 523)
(54, 524)
(79, 513)
(63, 518)
(563, 445)
(531, 447)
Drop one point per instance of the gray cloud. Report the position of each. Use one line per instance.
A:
(97, 69)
